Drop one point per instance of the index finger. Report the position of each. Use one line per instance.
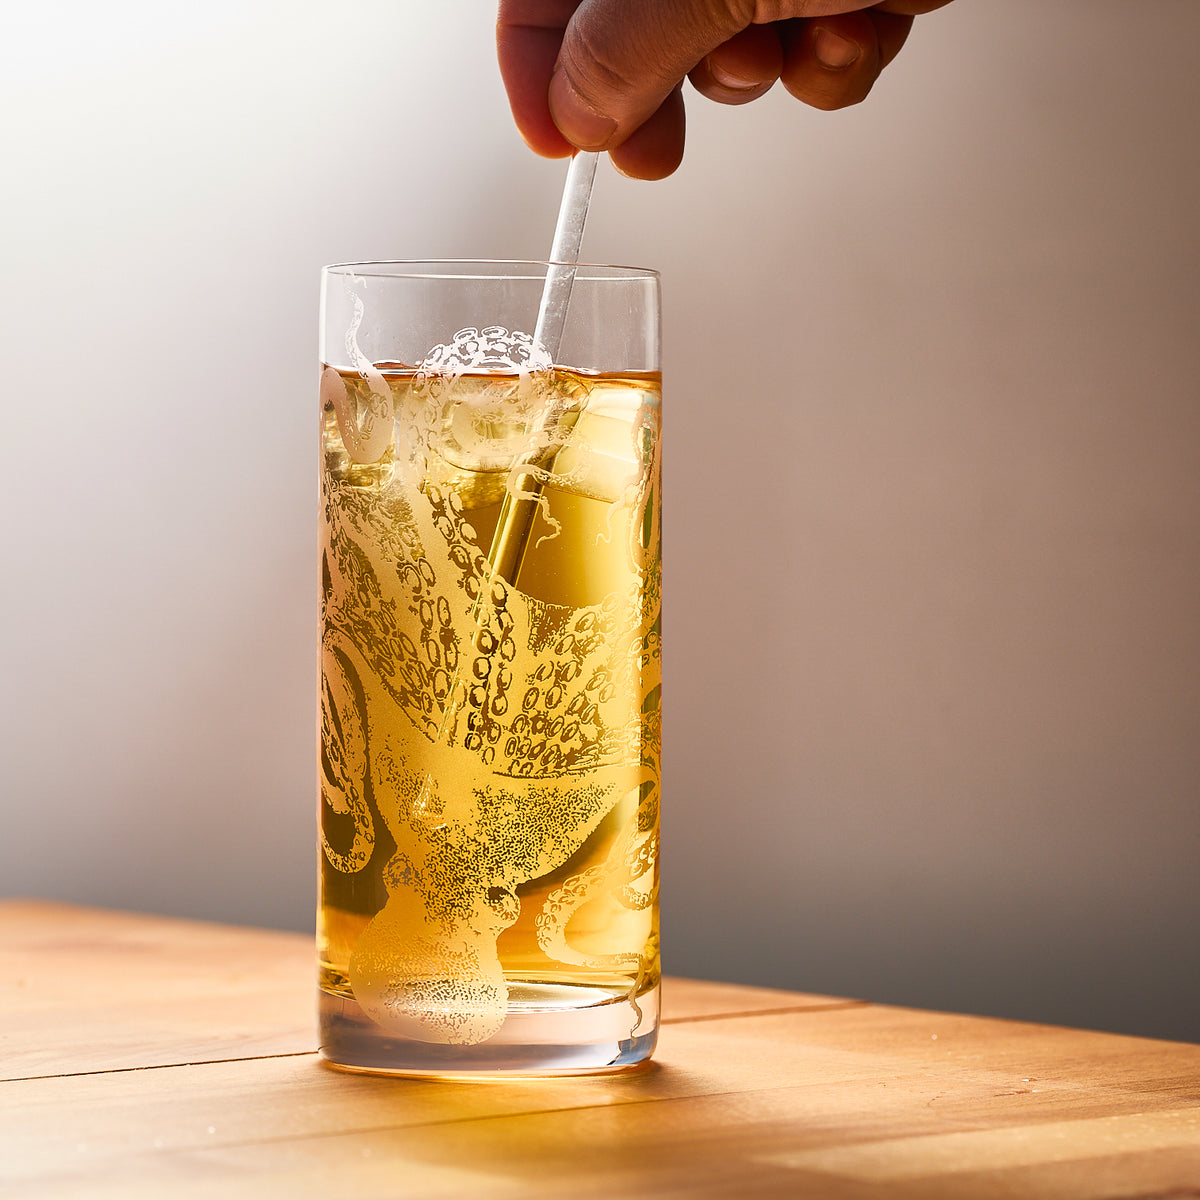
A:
(529, 34)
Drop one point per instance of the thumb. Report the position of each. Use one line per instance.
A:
(621, 59)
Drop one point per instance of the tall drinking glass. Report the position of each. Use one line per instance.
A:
(490, 671)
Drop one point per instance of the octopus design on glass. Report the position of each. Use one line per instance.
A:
(490, 745)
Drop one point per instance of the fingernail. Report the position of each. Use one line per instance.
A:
(580, 124)
(833, 51)
(732, 82)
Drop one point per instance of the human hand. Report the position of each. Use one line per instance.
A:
(608, 74)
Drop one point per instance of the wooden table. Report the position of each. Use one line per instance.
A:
(148, 1057)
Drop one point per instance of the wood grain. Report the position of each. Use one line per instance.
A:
(754, 1093)
(94, 990)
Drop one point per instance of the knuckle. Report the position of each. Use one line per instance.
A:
(767, 12)
(599, 71)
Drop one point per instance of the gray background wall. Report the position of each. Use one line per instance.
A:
(933, 534)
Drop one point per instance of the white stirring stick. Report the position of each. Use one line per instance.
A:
(513, 528)
(564, 253)
(516, 518)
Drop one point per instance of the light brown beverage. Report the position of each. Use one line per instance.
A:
(490, 717)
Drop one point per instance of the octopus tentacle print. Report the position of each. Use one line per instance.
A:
(490, 743)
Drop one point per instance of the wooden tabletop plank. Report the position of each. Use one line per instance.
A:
(716, 1113)
(86, 989)
(753, 1093)
(89, 990)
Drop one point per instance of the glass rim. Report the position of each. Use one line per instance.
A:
(443, 268)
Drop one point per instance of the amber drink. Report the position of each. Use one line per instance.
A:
(490, 674)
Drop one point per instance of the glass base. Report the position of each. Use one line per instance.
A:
(551, 1029)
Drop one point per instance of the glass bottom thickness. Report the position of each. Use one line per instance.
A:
(551, 1029)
